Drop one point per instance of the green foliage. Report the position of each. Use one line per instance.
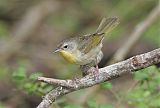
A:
(20, 74)
(93, 104)
(106, 106)
(146, 95)
(106, 85)
(152, 34)
(1, 105)
(145, 74)
(28, 83)
(34, 76)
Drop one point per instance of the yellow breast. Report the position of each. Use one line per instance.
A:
(68, 57)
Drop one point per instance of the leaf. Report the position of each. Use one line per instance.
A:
(155, 102)
(30, 87)
(34, 76)
(92, 104)
(144, 73)
(47, 89)
(20, 74)
(142, 105)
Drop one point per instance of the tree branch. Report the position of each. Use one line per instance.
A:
(126, 48)
(107, 73)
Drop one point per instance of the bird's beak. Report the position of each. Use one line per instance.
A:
(57, 50)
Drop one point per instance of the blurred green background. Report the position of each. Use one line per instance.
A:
(30, 31)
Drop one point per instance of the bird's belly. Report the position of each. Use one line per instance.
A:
(90, 56)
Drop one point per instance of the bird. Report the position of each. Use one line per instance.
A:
(86, 49)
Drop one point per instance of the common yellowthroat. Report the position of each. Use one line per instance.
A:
(86, 49)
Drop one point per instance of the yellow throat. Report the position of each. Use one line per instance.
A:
(71, 58)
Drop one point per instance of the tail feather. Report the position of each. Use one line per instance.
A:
(107, 24)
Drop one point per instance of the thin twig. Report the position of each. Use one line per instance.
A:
(107, 73)
(66, 83)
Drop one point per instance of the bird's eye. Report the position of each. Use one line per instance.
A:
(66, 46)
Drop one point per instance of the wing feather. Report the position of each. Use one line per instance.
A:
(89, 42)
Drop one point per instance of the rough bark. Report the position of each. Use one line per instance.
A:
(107, 73)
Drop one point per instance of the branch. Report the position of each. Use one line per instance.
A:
(128, 45)
(107, 73)
(66, 83)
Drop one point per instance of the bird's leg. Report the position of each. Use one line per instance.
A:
(85, 69)
(97, 60)
(95, 71)
(88, 69)
(97, 68)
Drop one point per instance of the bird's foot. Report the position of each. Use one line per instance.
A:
(94, 71)
(97, 68)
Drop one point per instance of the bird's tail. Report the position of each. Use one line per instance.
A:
(107, 24)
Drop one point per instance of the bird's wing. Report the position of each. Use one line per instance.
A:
(91, 41)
